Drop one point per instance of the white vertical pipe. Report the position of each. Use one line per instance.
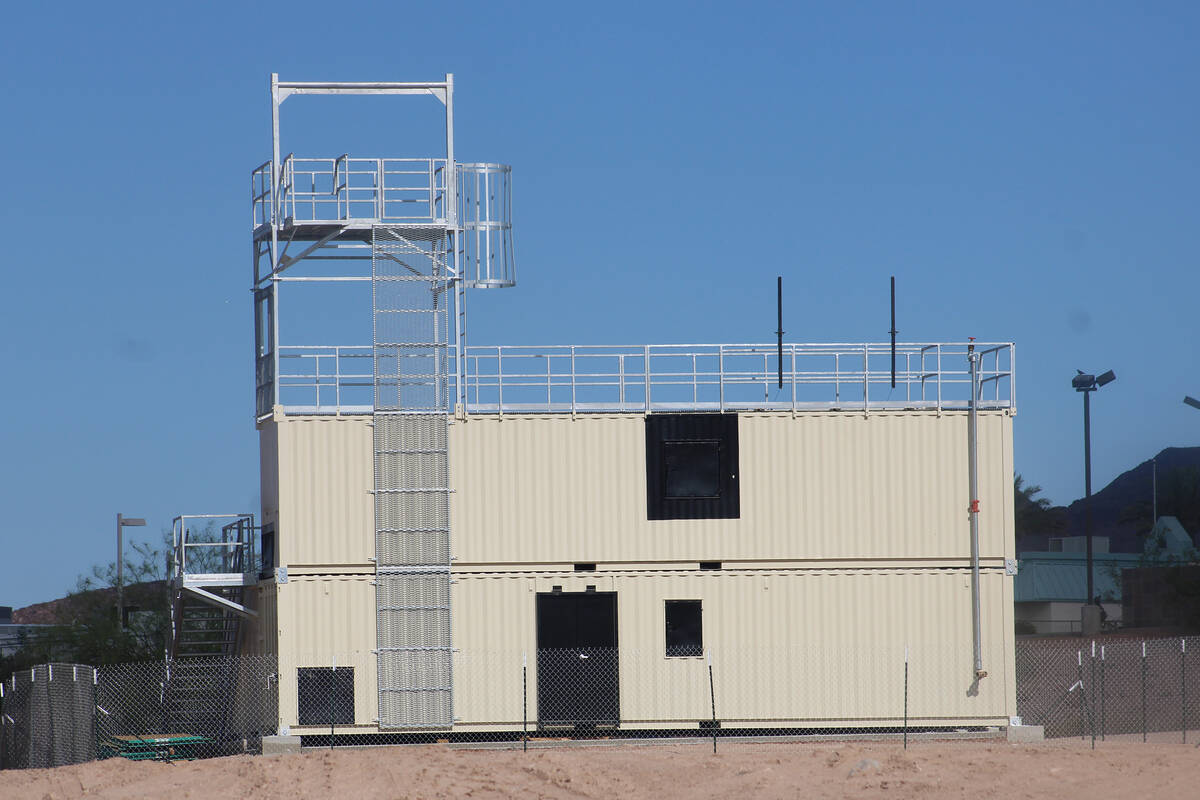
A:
(973, 508)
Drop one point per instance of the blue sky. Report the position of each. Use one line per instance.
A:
(1028, 171)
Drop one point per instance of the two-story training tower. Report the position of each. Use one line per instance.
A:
(437, 516)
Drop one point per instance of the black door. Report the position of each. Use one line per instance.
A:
(577, 659)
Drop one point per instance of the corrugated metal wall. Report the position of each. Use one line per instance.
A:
(323, 618)
(796, 647)
(258, 635)
(549, 489)
(835, 491)
(890, 486)
(326, 514)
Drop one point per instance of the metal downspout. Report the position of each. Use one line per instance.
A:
(973, 509)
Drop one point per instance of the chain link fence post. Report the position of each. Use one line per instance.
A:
(1143, 691)
(905, 697)
(1183, 687)
(524, 701)
(712, 696)
(1103, 688)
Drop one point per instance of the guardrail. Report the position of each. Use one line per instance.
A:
(201, 547)
(688, 377)
(401, 190)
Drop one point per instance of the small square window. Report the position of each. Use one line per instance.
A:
(325, 695)
(684, 628)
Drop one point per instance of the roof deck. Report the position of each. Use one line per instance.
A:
(318, 197)
(581, 379)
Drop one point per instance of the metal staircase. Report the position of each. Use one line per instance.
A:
(210, 572)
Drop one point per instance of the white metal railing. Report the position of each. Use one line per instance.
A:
(324, 380)
(200, 547)
(400, 190)
(689, 377)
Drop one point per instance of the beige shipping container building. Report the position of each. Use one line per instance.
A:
(851, 546)
(468, 539)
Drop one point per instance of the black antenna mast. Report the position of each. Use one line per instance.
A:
(779, 328)
(893, 331)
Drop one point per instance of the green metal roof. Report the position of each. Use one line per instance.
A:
(1055, 577)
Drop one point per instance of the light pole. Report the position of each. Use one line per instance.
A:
(122, 523)
(1085, 383)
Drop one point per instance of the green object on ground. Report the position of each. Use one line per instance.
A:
(155, 747)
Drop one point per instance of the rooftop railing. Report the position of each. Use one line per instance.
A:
(578, 379)
(342, 189)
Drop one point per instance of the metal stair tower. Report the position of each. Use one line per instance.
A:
(429, 229)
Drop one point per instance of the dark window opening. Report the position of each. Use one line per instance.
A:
(692, 466)
(266, 569)
(684, 628)
(326, 695)
(693, 469)
(584, 567)
(710, 565)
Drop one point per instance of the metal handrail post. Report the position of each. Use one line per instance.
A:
(837, 378)
(1012, 376)
(695, 388)
(572, 379)
(721, 373)
(337, 378)
(866, 379)
(646, 367)
(938, 360)
(907, 376)
(621, 381)
(793, 349)
(379, 208)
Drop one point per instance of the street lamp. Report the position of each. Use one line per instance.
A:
(122, 523)
(1085, 383)
(1191, 401)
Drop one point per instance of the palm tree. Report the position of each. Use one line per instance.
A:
(1033, 514)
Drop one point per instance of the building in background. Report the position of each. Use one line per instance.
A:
(1133, 588)
(13, 635)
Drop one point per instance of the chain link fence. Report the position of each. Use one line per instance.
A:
(47, 716)
(1111, 687)
(538, 697)
(56, 714)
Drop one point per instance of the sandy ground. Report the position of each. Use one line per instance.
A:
(992, 769)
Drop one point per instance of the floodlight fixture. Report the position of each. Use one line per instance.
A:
(1191, 401)
(1086, 382)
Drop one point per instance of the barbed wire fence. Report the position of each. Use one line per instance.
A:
(1112, 688)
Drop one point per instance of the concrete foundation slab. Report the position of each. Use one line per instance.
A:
(278, 745)
(1023, 734)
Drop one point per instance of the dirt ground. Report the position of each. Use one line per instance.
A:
(969, 769)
